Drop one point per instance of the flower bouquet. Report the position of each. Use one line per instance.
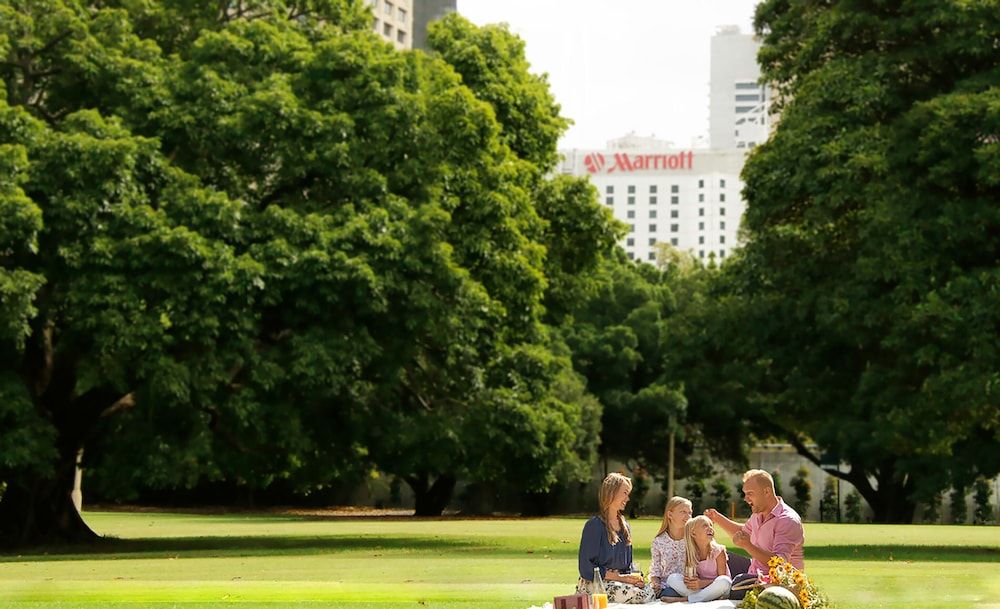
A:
(782, 573)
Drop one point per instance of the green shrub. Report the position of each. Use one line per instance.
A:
(803, 491)
(828, 505)
(984, 510)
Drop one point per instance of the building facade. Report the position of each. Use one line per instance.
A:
(426, 11)
(688, 198)
(738, 104)
(393, 20)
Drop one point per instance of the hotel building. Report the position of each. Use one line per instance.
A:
(689, 198)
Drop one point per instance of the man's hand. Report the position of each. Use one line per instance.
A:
(742, 539)
(712, 514)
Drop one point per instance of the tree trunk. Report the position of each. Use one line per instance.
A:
(41, 511)
(892, 502)
(431, 499)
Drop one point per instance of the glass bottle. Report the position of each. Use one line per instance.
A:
(599, 587)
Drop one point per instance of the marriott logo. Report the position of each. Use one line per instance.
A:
(595, 162)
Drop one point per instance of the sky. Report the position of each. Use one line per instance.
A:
(618, 66)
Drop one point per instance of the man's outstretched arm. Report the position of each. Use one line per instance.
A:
(727, 525)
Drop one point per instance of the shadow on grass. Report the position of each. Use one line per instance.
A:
(904, 553)
(256, 546)
(374, 545)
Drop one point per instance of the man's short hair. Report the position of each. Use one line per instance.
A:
(760, 477)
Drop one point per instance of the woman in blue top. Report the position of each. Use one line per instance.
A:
(606, 544)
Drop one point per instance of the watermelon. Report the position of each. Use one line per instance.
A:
(777, 597)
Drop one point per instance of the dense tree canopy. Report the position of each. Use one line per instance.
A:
(258, 244)
(867, 292)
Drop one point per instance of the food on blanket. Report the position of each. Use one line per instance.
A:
(777, 597)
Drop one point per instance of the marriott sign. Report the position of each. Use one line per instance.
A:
(619, 162)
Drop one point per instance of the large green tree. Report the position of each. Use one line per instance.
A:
(501, 401)
(868, 288)
(240, 238)
(619, 336)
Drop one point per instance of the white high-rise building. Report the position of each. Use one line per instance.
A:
(738, 115)
(689, 198)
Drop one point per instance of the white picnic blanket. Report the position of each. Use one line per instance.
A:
(706, 605)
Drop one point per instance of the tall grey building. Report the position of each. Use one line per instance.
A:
(738, 116)
(426, 11)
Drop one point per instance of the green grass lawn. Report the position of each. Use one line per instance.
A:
(189, 561)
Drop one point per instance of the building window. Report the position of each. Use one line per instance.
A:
(673, 241)
(722, 253)
(652, 241)
(701, 253)
(701, 226)
(631, 200)
(722, 211)
(722, 183)
(652, 188)
(652, 200)
(675, 213)
(610, 189)
(745, 97)
(652, 214)
(609, 200)
(701, 197)
(722, 226)
(631, 189)
(746, 85)
(701, 239)
(674, 228)
(375, 24)
(402, 19)
(701, 211)
(630, 242)
(400, 36)
(674, 188)
(722, 238)
(388, 8)
(631, 214)
(631, 228)
(652, 228)
(652, 256)
(631, 256)
(387, 30)
(743, 109)
(675, 200)
(722, 197)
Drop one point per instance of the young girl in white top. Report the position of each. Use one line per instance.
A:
(669, 546)
(707, 574)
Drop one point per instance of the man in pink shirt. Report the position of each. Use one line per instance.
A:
(773, 529)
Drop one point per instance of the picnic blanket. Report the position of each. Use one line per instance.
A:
(706, 605)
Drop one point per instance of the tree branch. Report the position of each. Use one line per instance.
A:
(123, 403)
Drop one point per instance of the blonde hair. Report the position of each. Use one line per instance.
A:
(760, 477)
(692, 549)
(674, 502)
(609, 488)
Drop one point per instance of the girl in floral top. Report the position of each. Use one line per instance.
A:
(669, 546)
